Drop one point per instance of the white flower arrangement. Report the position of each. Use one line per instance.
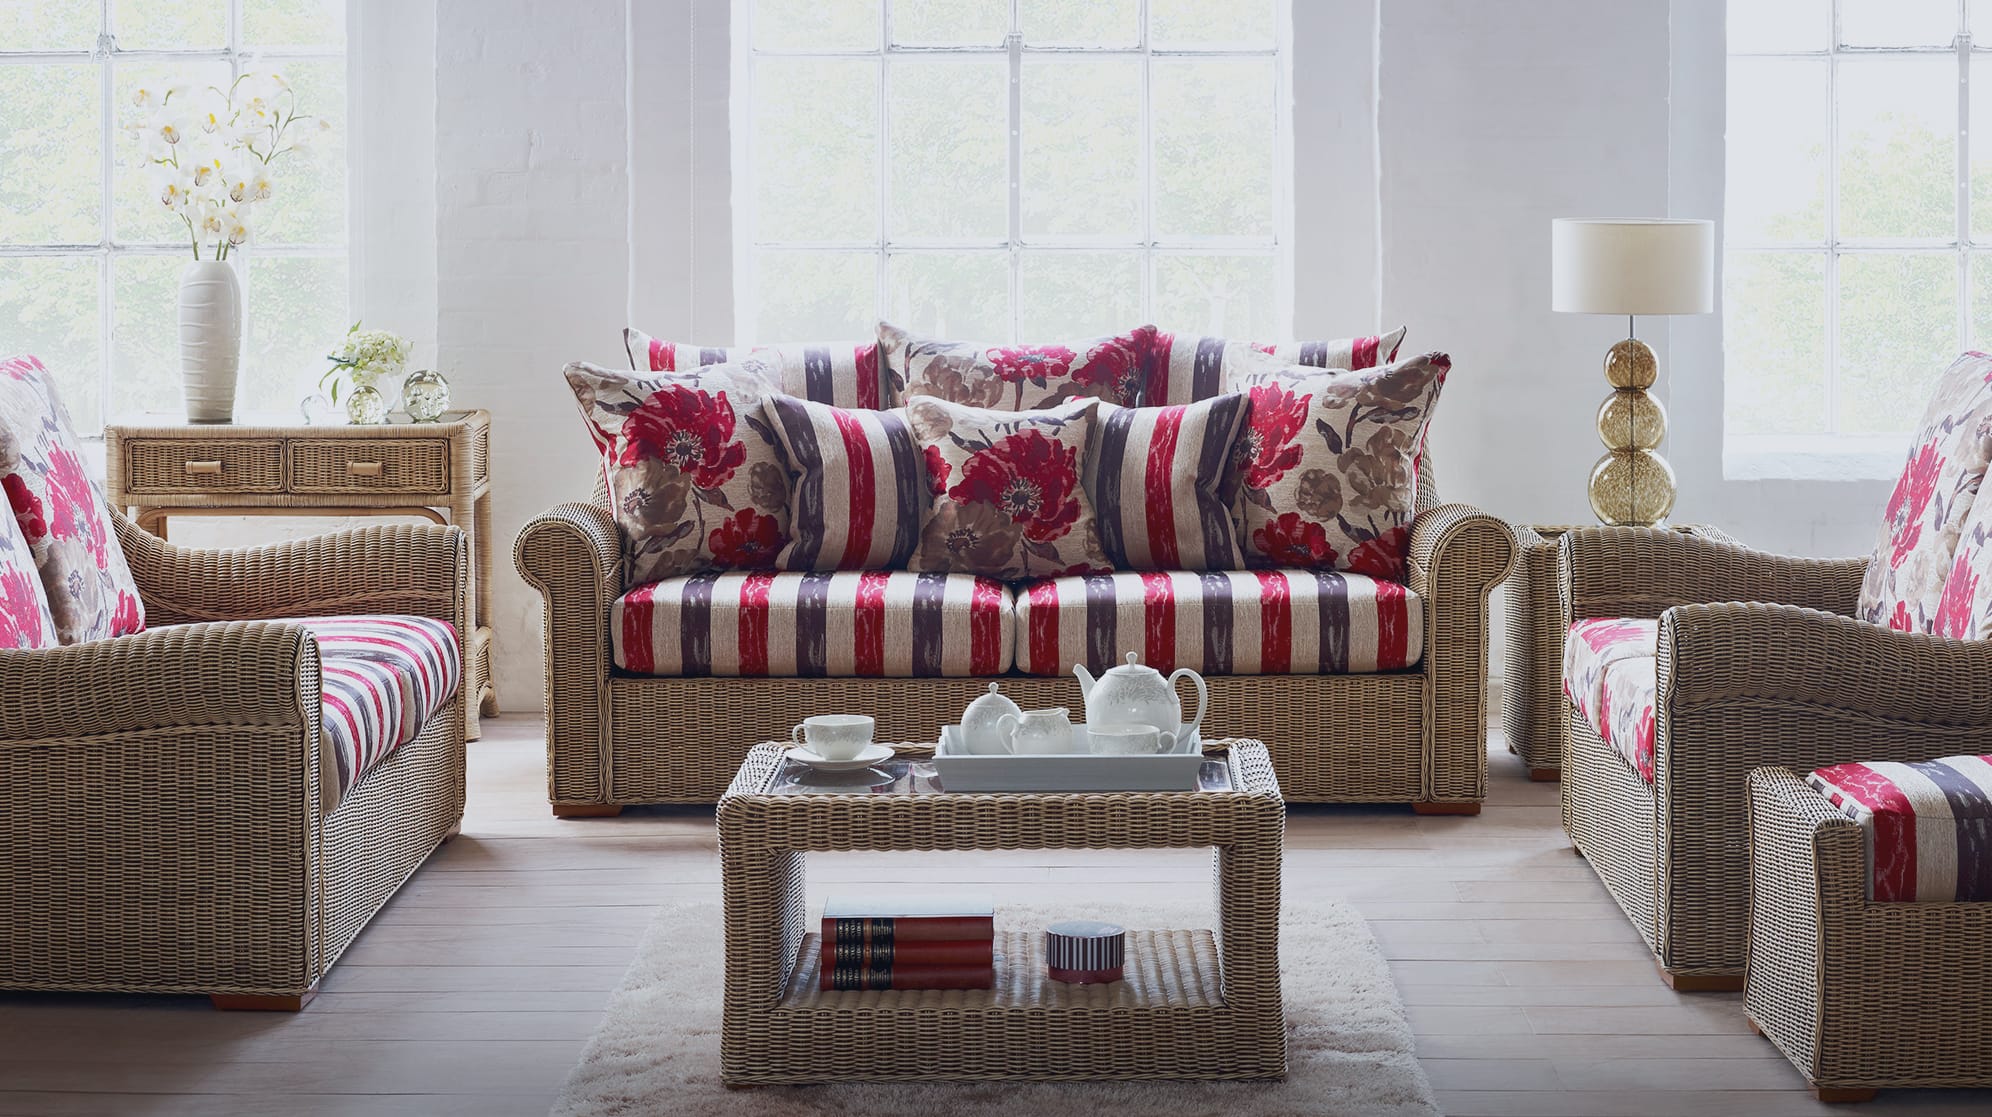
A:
(365, 359)
(210, 152)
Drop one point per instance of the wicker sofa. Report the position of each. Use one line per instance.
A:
(1414, 736)
(170, 827)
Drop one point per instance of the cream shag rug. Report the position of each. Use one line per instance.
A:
(1349, 1047)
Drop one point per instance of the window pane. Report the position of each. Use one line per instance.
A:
(294, 23)
(1897, 23)
(1981, 302)
(51, 144)
(950, 149)
(1774, 342)
(1213, 147)
(1898, 329)
(307, 202)
(959, 295)
(1232, 296)
(1780, 24)
(298, 310)
(1980, 148)
(137, 215)
(810, 295)
(48, 307)
(816, 24)
(1776, 179)
(1981, 20)
(981, 22)
(171, 24)
(1197, 24)
(1093, 22)
(1898, 147)
(1082, 147)
(50, 25)
(1077, 294)
(815, 132)
(145, 363)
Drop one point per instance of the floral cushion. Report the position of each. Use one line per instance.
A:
(62, 513)
(1929, 825)
(24, 618)
(840, 373)
(1015, 377)
(1157, 478)
(1260, 622)
(1611, 675)
(843, 624)
(1185, 368)
(384, 677)
(1005, 499)
(1926, 513)
(1327, 469)
(1964, 611)
(856, 477)
(695, 473)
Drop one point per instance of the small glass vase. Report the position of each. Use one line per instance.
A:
(365, 406)
(425, 395)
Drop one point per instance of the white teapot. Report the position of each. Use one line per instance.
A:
(1133, 694)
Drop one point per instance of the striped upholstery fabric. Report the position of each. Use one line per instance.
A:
(844, 624)
(1185, 368)
(1929, 825)
(1611, 673)
(855, 480)
(1260, 622)
(840, 373)
(1156, 476)
(384, 678)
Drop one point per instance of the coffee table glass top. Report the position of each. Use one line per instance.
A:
(916, 776)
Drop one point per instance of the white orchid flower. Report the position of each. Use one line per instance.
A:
(260, 187)
(238, 228)
(145, 97)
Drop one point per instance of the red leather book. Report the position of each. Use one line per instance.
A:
(915, 953)
(916, 977)
(937, 917)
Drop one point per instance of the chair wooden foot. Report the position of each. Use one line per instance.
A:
(251, 1002)
(1756, 1029)
(1831, 1095)
(1446, 808)
(1545, 775)
(1702, 982)
(586, 810)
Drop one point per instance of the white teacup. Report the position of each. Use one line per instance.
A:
(834, 736)
(1128, 740)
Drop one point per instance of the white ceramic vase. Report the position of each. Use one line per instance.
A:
(210, 339)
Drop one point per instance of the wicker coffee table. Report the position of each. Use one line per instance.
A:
(1195, 1004)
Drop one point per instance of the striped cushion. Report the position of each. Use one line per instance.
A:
(1156, 476)
(1929, 825)
(855, 479)
(845, 624)
(841, 373)
(384, 678)
(1261, 622)
(1185, 368)
(1611, 673)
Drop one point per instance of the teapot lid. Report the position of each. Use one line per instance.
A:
(1133, 666)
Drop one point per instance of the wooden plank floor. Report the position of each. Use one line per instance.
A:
(475, 990)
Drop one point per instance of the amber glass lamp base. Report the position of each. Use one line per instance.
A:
(1632, 485)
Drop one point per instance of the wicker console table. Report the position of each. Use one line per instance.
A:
(157, 468)
(1195, 1004)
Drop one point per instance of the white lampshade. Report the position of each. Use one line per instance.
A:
(1632, 267)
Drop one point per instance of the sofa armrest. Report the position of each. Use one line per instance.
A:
(1458, 555)
(1642, 571)
(572, 554)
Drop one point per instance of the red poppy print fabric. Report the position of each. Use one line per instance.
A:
(1015, 377)
(61, 511)
(1917, 545)
(839, 373)
(1326, 468)
(25, 622)
(1007, 500)
(1187, 368)
(695, 473)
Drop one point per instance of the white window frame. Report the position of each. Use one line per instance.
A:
(109, 247)
(749, 246)
(1833, 454)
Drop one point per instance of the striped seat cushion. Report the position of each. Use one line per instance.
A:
(1611, 673)
(1259, 622)
(1929, 825)
(843, 624)
(384, 678)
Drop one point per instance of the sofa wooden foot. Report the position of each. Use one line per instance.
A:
(252, 1002)
(1446, 808)
(1755, 1028)
(586, 810)
(1702, 982)
(1545, 775)
(1842, 1096)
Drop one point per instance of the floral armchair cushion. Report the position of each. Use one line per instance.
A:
(1015, 377)
(1964, 610)
(62, 513)
(839, 373)
(25, 622)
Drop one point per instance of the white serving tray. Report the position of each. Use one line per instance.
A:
(961, 770)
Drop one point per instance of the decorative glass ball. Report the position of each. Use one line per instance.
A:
(366, 406)
(425, 395)
(1631, 364)
(1632, 488)
(1630, 419)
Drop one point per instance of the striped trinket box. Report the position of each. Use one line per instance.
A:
(1085, 951)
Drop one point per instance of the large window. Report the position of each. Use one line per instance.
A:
(1858, 254)
(999, 169)
(90, 262)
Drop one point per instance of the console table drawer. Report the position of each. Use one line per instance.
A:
(175, 465)
(370, 465)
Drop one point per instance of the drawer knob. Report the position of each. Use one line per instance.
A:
(363, 469)
(203, 467)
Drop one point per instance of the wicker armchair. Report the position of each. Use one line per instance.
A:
(169, 826)
(1797, 684)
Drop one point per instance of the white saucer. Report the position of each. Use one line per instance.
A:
(871, 754)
